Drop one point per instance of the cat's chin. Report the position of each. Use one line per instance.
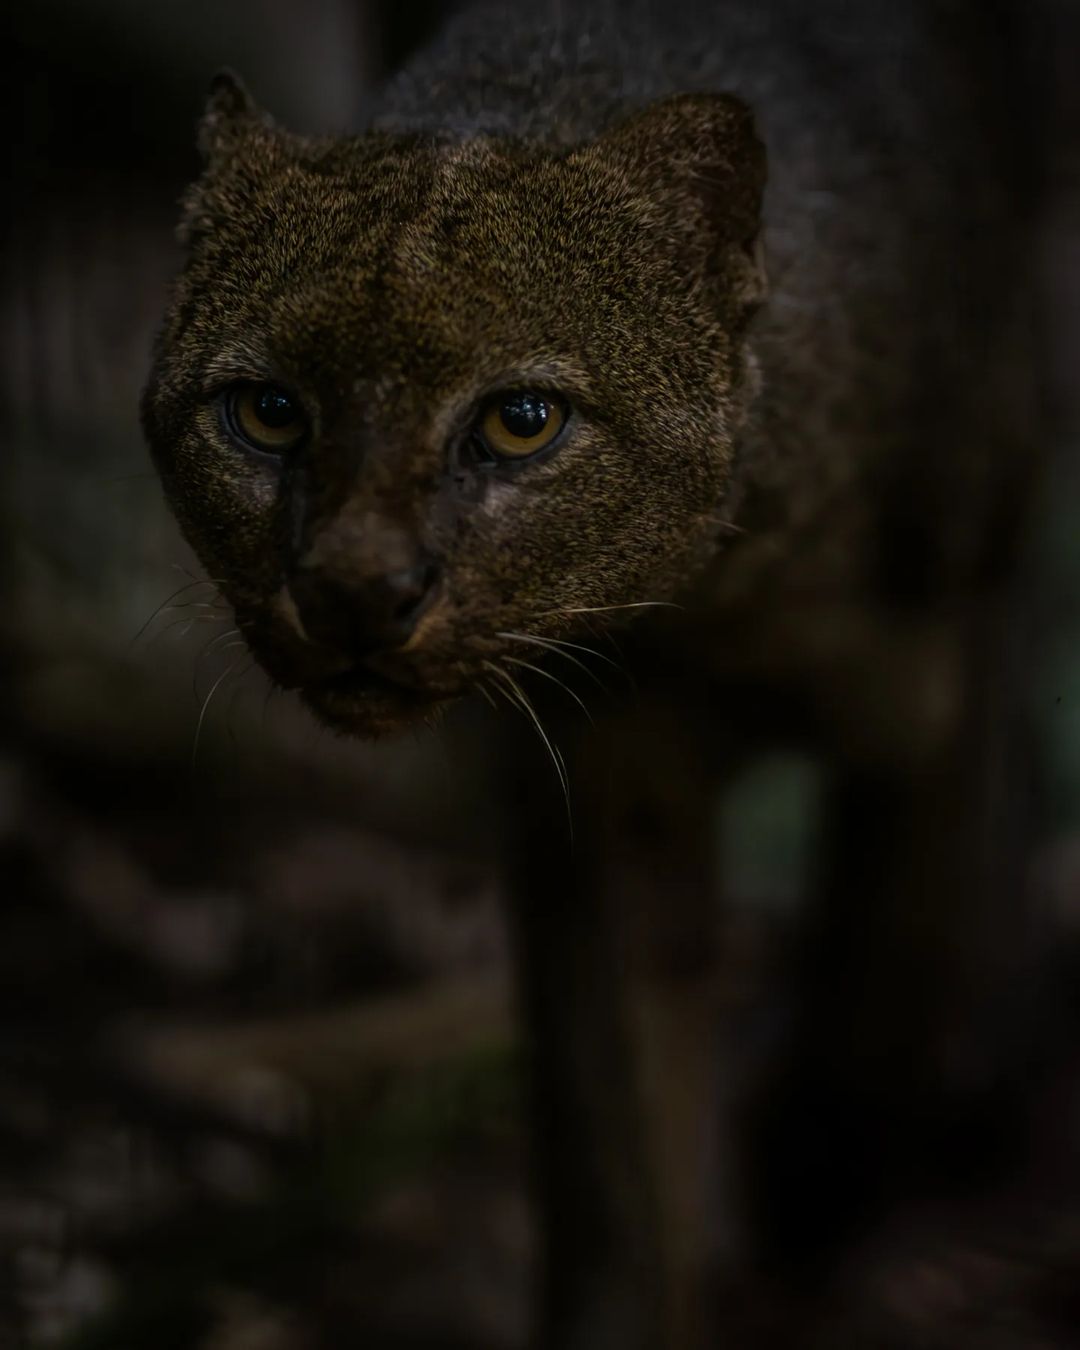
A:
(369, 707)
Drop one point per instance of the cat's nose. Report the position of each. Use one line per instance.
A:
(368, 614)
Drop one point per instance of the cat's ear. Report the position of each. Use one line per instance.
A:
(239, 144)
(230, 119)
(700, 147)
(700, 155)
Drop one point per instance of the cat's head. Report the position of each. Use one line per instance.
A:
(413, 395)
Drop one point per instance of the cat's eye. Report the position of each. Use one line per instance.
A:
(519, 424)
(266, 417)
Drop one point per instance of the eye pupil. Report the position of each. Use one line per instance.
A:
(524, 415)
(518, 424)
(264, 417)
(274, 407)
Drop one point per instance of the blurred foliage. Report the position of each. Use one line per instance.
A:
(314, 1204)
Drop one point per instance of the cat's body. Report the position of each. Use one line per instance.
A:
(555, 205)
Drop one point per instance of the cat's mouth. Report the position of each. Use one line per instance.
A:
(364, 702)
(362, 693)
(363, 697)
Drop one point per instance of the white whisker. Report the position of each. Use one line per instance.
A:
(600, 630)
(207, 649)
(231, 706)
(206, 704)
(604, 609)
(557, 645)
(188, 621)
(537, 670)
(167, 603)
(515, 695)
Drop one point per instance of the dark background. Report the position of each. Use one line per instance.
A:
(259, 1084)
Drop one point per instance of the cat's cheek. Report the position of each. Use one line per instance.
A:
(247, 482)
(517, 492)
(228, 505)
(498, 498)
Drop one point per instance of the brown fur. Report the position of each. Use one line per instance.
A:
(618, 273)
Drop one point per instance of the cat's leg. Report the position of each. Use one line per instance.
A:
(619, 989)
(905, 1026)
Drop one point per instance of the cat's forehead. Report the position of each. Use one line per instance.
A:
(430, 259)
(386, 213)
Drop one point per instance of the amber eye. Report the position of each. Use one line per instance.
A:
(265, 416)
(519, 424)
